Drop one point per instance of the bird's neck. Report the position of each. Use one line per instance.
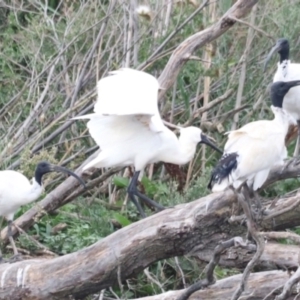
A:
(283, 119)
(186, 150)
(38, 176)
(284, 55)
(34, 192)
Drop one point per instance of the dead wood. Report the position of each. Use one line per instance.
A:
(275, 256)
(184, 229)
(287, 288)
(258, 286)
(187, 48)
(256, 236)
(210, 279)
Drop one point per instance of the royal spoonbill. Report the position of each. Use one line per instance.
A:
(252, 150)
(129, 130)
(287, 71)
(16, 190)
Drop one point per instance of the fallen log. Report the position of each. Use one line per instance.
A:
(259, 285)
(184, 229)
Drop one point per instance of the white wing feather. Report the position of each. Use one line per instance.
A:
(122, 139)
(259, 145)
(127, 92)
(257, 154)
(254, 130)
(126, 122)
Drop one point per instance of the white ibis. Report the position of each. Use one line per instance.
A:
(129, 130)
(16, 190)
(287, 71)
(251, 151)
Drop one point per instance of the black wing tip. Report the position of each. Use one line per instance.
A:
(223, 168)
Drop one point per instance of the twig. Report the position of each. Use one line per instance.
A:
(253, 27)
(172, 34)
(153, 280)
(180, 270)
(209, 280)
(287, 288)
(284, 210)
(242, 76)
(43, 247)
(275, 291)
(259, 243)
(101, 295)
(282, 235)
(209, 106)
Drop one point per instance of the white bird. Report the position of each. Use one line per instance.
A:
(16, 190)
(287, 71)
(129, 130)
(252, 150)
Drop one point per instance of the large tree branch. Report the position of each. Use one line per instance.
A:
(187, 48)
(259, 285)
(184, 229)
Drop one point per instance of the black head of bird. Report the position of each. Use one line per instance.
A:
(279, 89)
(282, 46)
(44, 167)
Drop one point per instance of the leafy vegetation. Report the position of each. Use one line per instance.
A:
(51, 57)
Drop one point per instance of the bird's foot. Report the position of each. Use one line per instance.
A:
(15, 258)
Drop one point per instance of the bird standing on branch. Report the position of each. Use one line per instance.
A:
(251, 151)
(129, 130)
(16, 190)
(287, 71)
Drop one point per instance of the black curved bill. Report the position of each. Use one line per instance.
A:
(293, 83)
(274, 49)
(206, 140)
(67, 171)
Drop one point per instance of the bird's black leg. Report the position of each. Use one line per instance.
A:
(133, 191)
(130, 190)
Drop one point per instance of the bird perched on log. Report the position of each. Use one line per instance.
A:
(129, 130)
(251, 151)
(16, 190)
(287, 71)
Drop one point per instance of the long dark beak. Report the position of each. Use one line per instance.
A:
(206, 140)
(67, 171)
(292, 83)
(274, 49)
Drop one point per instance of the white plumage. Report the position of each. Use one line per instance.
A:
(259, 145)
(129, 130)
(255, 148)
(16, 190)
(287, 71)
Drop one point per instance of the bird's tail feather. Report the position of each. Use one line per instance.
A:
(220, 175)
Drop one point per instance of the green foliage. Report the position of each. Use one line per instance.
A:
(85, 225)
(47, 77)
(122, 219)
(120, 181)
